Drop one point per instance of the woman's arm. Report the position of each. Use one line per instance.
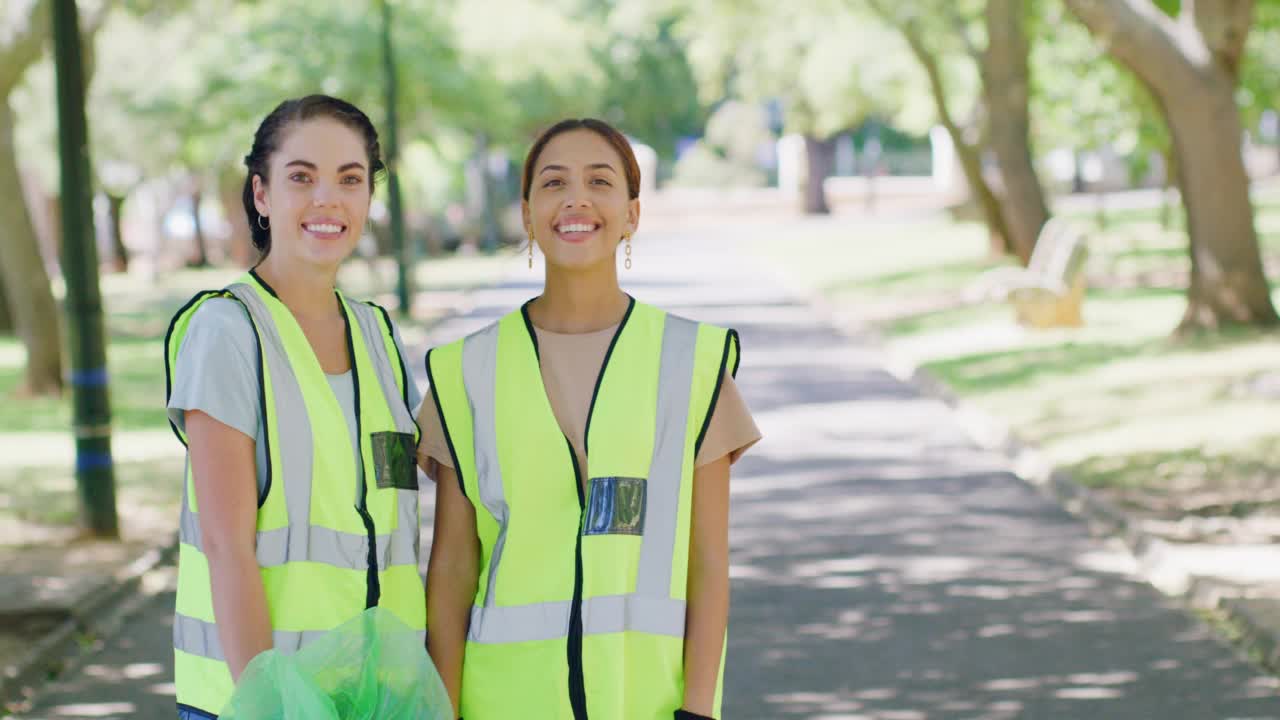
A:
(707, 616)
(222, 464)
(452, 576)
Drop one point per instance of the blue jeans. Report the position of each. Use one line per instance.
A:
(186, 712)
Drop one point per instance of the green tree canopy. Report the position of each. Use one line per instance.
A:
(829, 65)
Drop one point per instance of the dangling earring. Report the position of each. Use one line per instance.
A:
(264, 227)
(530, 251)
(627, 238)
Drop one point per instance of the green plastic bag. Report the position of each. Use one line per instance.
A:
(372, 667)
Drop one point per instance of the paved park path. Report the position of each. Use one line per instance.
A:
(884, 567)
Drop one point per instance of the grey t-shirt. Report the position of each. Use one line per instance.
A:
(217, 373)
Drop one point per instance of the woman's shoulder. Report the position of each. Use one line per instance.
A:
(224, 318)
(221, 312)
(217, 351)
(699, 325)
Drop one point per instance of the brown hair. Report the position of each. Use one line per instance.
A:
(630, 167)
(270, 135)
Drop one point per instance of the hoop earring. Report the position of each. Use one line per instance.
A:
(264, 227)
(530, 251)
(627, 238)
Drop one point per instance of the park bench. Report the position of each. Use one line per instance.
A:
(1049, 291)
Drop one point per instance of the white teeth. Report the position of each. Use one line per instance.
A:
(577, 227)
(324, 228)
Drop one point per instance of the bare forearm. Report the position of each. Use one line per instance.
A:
(450, 592)
(452, 579)
(223, 469)
(707, 615)
(240, 607)
(447, 621)
(707, 619)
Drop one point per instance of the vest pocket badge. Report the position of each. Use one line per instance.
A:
(394, 460)
(616, 506)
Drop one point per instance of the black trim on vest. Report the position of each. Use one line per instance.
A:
(528, 325)
(730, 341)
(262, 387)
(253, 272)
(586, 434)
(262, 403)
(373, 591)
(444, 425)
(168, 338)
(737, 356)
(573, 645)
(404, 371)
(404, 367)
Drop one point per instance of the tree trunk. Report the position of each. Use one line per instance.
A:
(49, 228)
(1166, 188)
(239, 246)
(488, 203)
(1006, 88)
(119, 254)
(820, 157)
(1191, 66)
(395, 206)
(6, 317)
(983, 195)
(24, 276)
(201, 251)
(970, 160)
(1228, 285)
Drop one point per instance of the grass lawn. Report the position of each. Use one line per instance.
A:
(1175, 428)
(37, 480)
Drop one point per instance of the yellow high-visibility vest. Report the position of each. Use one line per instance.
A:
(580, 607)
(328, 546)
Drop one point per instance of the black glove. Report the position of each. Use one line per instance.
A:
(686, 715)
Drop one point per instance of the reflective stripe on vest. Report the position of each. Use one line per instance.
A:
(326, 545)
(201, 638)
(606, 614)
(650, 609)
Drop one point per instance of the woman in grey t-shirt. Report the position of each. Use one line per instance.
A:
(306, 197)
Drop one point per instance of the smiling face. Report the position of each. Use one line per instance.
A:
(579, 207)
(318, 196)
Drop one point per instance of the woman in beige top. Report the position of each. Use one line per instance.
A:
(582, 174)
